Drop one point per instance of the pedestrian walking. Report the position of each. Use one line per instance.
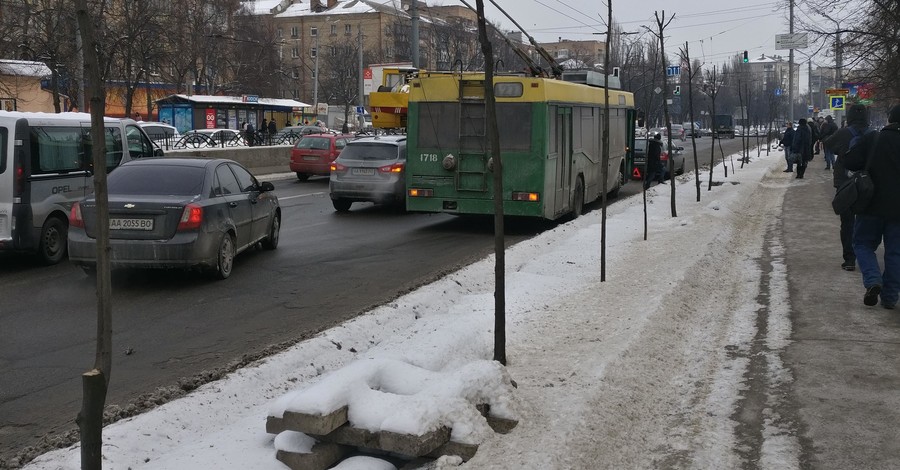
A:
(879, 152)
(801, 147)
(838, 144)
(272, 129)
(825, 132)
(250, 134)
(786, 141)
(654, 169)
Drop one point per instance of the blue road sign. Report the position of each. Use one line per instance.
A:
(360, 110)
(778, 92)
(837, 103)
(673, 70)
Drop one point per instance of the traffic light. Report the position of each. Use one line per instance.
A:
(746, 59)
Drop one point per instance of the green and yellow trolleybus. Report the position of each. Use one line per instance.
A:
(550, 144)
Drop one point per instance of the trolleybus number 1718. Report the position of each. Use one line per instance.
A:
(428, 157)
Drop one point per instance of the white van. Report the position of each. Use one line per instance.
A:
(45, 166)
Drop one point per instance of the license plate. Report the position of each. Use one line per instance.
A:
(131, 224)
(363, 171)
(311, 158)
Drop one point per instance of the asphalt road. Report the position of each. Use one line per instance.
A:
(171, 327)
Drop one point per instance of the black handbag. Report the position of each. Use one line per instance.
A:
(856, 193)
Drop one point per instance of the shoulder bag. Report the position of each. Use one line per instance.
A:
(856, 193)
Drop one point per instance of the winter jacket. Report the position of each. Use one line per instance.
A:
(802, 142)
(839, 143)
(654, 149)
(788, 137)
(828, 129)
(884, 170)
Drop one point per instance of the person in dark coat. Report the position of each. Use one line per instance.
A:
(837, 144)
(801, 147)
(654, 169)
(827, 130)
(880, 220)
(786, 141)
(250, 135)
(272, 128)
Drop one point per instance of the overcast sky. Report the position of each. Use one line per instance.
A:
(714, 30)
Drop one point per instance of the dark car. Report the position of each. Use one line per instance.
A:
(640, 158)
(178, 213)
(369, 169)
(313, 154)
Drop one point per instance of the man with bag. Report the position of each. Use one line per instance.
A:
(879, 153)
(801, 147)
(838, 144)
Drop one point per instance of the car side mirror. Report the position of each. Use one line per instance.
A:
(266, 186)
(158, 152)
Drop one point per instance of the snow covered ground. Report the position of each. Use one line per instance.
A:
(643, 370)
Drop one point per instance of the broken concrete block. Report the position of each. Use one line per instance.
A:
(464, 451)
(274, 425)
(323, 456)
(413, 446)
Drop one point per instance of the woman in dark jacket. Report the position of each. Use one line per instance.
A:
(880, 220)
(801, 147)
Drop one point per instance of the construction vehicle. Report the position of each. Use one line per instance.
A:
(389, 104)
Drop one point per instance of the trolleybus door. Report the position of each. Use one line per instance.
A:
(563, 183)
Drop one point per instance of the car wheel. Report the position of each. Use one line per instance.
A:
(271, 242)
(341, 205)
(52, 248)
(224, 257)
(578, 203)
(302, 176)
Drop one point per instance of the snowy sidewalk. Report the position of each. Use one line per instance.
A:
(676, 361)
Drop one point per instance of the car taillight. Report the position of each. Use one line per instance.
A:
(19, 180)
(337, 167)
(395, 168)
(75, 219)
(191, 218)
(664, 156)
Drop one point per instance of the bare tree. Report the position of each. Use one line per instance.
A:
(692, 70)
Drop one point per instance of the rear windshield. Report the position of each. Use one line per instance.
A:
(314, 143)
(157, 180)
(369, 151)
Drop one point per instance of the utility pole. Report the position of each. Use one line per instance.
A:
(838, 72)
(316, 80)
(414, 16)
(362, 97)
(791, 68)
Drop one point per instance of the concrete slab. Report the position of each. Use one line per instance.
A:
(319, 425)
(323, 456)
(413, 446)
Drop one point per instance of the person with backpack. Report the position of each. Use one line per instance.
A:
(879, 154)
(839, 143)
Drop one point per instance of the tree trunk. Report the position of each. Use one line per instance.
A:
(90, 419)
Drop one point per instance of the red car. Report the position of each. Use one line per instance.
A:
(313, 154)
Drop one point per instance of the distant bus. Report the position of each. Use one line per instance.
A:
(723, 125)
(550, 145)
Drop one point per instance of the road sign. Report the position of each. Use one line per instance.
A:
(791, 41)
(778, 92)
(810, 109)
(837, 91)
(837, 103)
(657, 90)
(360, 110)
(673, 70)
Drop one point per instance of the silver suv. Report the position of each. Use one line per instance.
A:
(369, 169)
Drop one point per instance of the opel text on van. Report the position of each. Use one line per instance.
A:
(45, 166)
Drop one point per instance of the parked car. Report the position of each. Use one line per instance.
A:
(678, 131)
(640, 158)
(178, 213)
(203, 138)
(369, 169)
(291, 134)
(313, 154)
(162, 134)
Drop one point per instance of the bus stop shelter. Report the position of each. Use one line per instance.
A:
(187, 112)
